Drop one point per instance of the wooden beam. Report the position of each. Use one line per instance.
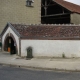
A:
(48, 5)
(55, 15)
(59, 18)
(45, 7)
(63, 10)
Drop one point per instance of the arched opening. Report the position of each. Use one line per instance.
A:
(10, 45)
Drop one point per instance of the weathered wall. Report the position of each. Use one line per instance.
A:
(9, 30)
(15, 11)
(51, 48)
(75, 18)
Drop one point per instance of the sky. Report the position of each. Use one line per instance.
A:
(74, 1)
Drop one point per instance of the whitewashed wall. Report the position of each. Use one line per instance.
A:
(9, 30)
(51, 48)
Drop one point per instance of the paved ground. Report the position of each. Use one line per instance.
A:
(10, 73)
(40, 63)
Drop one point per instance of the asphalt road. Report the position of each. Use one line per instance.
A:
(10, 73)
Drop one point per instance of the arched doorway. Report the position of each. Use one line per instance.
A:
(10, 45)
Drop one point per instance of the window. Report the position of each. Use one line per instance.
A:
(29, 2)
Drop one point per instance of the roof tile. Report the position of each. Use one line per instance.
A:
(48, 31)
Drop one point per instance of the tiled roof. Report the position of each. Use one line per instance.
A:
(48, 31)
(70, 6)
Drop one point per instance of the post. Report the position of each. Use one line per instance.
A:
(45, 7)
(9, 46)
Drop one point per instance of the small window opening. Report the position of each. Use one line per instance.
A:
(29, 2)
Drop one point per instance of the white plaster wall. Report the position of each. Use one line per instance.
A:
(51, 48)
(9, 30)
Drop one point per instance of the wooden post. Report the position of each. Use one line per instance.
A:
(45, 7)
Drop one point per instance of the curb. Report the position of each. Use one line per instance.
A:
(39, 68)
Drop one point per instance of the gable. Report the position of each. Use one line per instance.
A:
(8, 25)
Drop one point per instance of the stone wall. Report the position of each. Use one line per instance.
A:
(16, 11)
(75, 18)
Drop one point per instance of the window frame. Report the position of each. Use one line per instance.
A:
(29, 3)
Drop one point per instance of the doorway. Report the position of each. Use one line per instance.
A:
(10, 45)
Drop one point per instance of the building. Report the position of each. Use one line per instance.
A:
(17, 11)
(59, 12)
(45, 40)
(38, 12)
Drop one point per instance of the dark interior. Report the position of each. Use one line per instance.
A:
(53, 13)
(11, 45)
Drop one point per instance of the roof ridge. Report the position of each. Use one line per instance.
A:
(45, 24)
